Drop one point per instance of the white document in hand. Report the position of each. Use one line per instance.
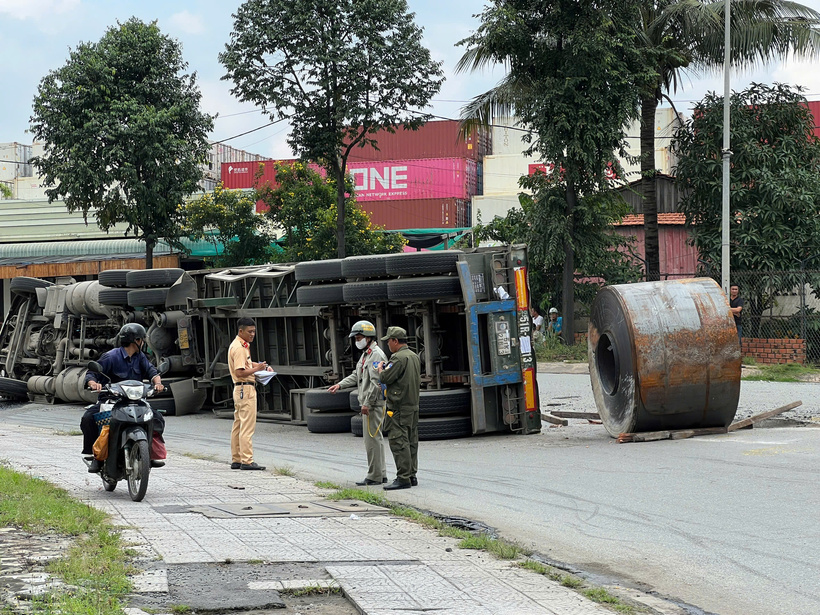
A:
(264, 377)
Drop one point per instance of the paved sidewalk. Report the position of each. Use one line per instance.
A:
(192, 516)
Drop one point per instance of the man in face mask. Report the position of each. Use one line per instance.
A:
(127, 362)
(366, 378)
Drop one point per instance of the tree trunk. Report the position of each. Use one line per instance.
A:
(568, 298)
(340, 207)
(648, 189)
(149, 254)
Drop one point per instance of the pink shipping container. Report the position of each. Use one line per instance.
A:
(389, 180)
(436, 139)
(419, 213)
(814, 107)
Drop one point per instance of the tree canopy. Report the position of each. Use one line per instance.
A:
(123, 132)
(775, 184)
(228, 219)
(573, 81)
(302, 205)
(338, 70)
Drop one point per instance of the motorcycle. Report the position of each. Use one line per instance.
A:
(130, 433)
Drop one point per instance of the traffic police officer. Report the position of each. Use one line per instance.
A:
(402, 375)
(366, 378)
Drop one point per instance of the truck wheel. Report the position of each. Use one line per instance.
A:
(322, 399)
(117, 297)
(13, 388)
(424, 289)
(369, 266)
(22, 285)
(412, 263)
(146, 278)
(321, 294)
(318, 271)
(355, 292)
(114, 278)
(357, 425)
(444, 427)
(147, 297)
(354, 400)
(446, 402)
(329, 422)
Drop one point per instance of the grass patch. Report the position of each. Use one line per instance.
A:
(568, 580)
(324, 484)
(70, 432)
(180, 609)
(371, 497)
(312, 590)
(284, 471)
(202, 456)
(786, 372)
(500, 548)
(96, 567)
(551, 350)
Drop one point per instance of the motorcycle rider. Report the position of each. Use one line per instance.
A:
(371, 399)
(127, 362)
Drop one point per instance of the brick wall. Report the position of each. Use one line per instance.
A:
(767, 350)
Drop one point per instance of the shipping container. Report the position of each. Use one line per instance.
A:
(388, 180)
(419, 213)
(437, 139)
(14, 161)
(814, 107)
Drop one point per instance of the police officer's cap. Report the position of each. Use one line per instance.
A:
(395, 332)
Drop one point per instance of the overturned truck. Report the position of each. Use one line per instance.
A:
(466, 313)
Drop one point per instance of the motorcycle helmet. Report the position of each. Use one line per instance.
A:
(553, 310)
(130, 333)
(363, 327)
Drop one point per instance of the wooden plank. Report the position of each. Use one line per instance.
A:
(763, 416)
(671, 434)
(575, 415)
(647, 436)
(682, 434)
(554, 420)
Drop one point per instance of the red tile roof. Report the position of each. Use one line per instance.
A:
(637, 219)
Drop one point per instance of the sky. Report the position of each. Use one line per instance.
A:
(36, 36)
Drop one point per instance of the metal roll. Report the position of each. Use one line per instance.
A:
(663, 355)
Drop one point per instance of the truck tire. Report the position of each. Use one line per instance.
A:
(13, 389)
(148, 278)
(365, 292)
(329, 422)
(354, 400)
(424, 289)
(322, 399)
(318, 271)
(114, 278)
(22, 285)
(446, 402)
(442, 428)
(357, 425)
(321, 294)
(114, 296)
(413, 263)
(147, 297)
(369, 266)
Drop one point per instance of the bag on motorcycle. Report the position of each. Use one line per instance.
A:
(158, 450)
(100, 448)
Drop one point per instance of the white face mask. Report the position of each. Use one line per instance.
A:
(362, 343)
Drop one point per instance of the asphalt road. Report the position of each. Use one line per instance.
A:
(725, 523)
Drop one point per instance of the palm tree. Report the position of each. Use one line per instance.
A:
(681, 38)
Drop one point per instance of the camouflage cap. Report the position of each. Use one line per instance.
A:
(395, 332)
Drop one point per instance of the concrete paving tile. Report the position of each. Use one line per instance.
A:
(151, 581)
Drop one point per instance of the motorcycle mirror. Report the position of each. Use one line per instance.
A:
(94, 367)
(164, 367)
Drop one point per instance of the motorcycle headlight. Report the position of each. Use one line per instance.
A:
(134, 393)
(147, 416)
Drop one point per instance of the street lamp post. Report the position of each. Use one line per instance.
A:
(727, 153)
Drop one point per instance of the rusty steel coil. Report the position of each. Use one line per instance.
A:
(663, 356)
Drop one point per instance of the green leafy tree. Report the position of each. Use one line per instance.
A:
(123, 132)
(604, 257)
(5, 191)
(686, 37)
(228, 219)
(574, 74)
(303, 206)
(339, 70)
(775, 187)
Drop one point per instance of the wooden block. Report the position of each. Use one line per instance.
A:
(682, 434)
(763, 416)
(554, 420)
(576, 415)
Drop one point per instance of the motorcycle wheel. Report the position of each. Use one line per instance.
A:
(140, 467)
(109, 484)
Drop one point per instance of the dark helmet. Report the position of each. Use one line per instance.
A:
(130, 333)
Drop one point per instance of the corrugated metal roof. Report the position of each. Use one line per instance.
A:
(113, 248)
